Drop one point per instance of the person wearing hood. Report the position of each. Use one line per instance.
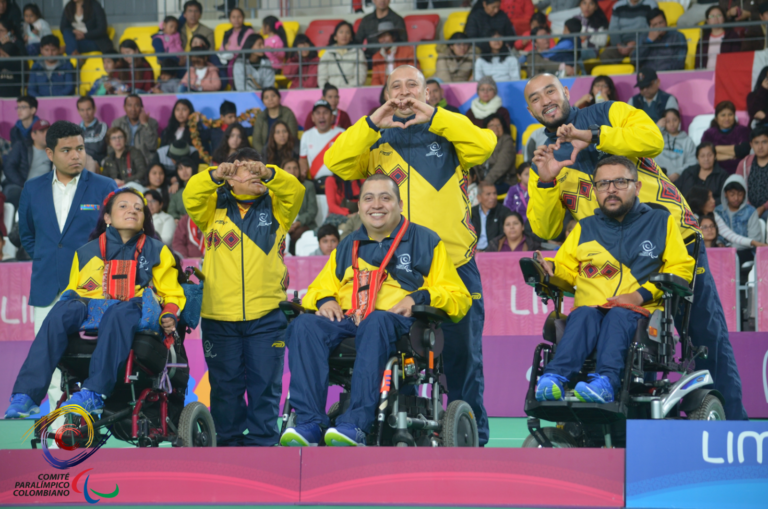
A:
(706, 173)
(679, 151)
(487, 103)
(740, 216)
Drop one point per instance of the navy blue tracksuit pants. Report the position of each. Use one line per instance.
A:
(245, 358)
(708, 328)
(116, 330)
(312, 338)
(463, 352)
(610, 331)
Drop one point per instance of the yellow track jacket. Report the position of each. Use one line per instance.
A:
(245, 276)
(429, 162)
(625, 131)
(420, 267)
(605, 258)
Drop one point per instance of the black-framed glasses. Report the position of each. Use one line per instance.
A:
(620, 184)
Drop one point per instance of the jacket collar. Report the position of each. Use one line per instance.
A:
(361, 233)
(114, 239)
(637, 210)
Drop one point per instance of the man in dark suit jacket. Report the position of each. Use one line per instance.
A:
(488, 217)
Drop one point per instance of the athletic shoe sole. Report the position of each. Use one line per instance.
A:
(335, 439)
(21, 415)
(292, 439)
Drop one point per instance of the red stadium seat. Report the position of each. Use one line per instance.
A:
(357, 24)
(320, 31)
(421, 27)
(607, 7)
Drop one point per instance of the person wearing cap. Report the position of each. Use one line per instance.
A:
(560, 181)
(369, 25)
(428, 151)
(27, 160)
(651, 98)
(436, 97)
(387, 59)
(140, 128)
(168, 156)
(661, 50)
(317, 141)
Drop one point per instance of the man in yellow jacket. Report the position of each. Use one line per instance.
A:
(427, 151)
(561, 179)
(366, 290)
(609, 258)
(244, 224)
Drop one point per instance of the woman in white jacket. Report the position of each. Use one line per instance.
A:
(341, 66)
(496, 61)
(165, 225)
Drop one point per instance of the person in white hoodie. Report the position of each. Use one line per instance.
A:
(679, 150)
(496, 61)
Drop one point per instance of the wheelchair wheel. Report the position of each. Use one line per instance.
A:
(459, 426)
(196, 427)
(560, 439)
(711, 409)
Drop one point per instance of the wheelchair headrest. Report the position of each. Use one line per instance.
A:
(423, 334)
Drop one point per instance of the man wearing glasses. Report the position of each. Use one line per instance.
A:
(609, 257)
(562, 179)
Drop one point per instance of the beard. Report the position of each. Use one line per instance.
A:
(565, 107)
(625, 207)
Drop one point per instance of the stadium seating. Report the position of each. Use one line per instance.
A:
(142, 36)
(421, 27)
(454, 23)
(91, 70)
(320, 31)
(692, 35)
(527, 134)
(427, 56)
(672, 11)
(699, 124)
(613, 69)
(607, 7)
(356, 25)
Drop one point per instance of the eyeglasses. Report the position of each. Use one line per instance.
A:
(116, 138)
(619, 184)
(708, 227)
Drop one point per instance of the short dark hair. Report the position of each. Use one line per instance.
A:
(758, 131)
(328, 229)
(270, 89)
(328, 87)
(654, 13)
(672, 110)
(385, 177)
(734, 186)
(169, 19)
(617, 160)
(154, 193)
(167, 67)
(573, 25)
(520, 169)
(34, 8)
(705, 144)
(31, 101)
(539, 17)
(192, 3)
(227, 107)
(50, 40)
(485, 183)
(86, 99)
(697, 197)
(135, 96)
(245, 154)
(433, 81)
(59, 130)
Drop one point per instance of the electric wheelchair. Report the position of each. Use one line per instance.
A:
(642, 395)
(146, 406)
(404, 419)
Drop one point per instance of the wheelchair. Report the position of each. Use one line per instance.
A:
(146, 406)
(642, 394)
(404, 418)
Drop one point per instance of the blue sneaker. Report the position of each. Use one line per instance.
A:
(91, 401)
(21, 407)
(598, 390)
(345, 435)
(550, 387)
(302, 435)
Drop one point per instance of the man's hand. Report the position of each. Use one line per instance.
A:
(332, 311)
(760, 115)
(546, 164)
(404, 307)
(168, 324)
(586, 99)
(549, 270)
(78, 35)
(662, 123)
(569, 134)
(257, 171)
(634, 299)
(225, 171)
(143, 116)
(382, 118)
(423, 112)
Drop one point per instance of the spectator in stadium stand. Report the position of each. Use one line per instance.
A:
(651, 98)
(757, 99)
(535, 62)
(561, 57)
(496, 61)
(273, 112)
(188, 240)
(244, 331)
(488, 216)
(627, 15)
(342, 197)
(695, 14)
(702, 203)
(156, 180)
(754, 37)
(709, 231)
(28, 159)
(518, 12)
(202, 76)
(8, 35)
(257, 73)
(316, 141)
(512, 238)
(73, 197)
(26, 110)
(679, 151)
(234, 39)
(227, 116)
(538, 19)
(706, 172)
(499, 169)
(307, 217)
(185, 169)
(84, 28)
(281, 145)
(201, 44)
(726, 134)
(754, 169)
(10, 71)
(340, 117)
(139, 126)
(740, 216)
(10, 14)
(50, 78)
(191, 27)
(486, 103)
(124, 163)
(140, 74)
(454, 60)
(309, 61)
(342, 66)
(716, 40)
(169, 155)
(593, 22)
(275, 38)
(168, 39)
(387, 59)
(165, 226)
(617, 128)
(327, 239)
(94, 131)
(517, 195)
(235, 138)
(178, 126)
(113, 81)
(602, 89)
(486, 17)
(370, 25)
(436, 96)
(659, 50)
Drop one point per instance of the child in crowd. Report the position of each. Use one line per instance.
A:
(309, 60)
(328, 238)
(539, 19)
(273, 29)
(168, 40)
(113, 81)
(202, 76)
(185, 168)
(167, 82)
(496, 61)
(679, 151)
(739, 215)
(234, 39)
(517, 196)
(563, 52)
(35, 28)
(228, 116)
(340, 118)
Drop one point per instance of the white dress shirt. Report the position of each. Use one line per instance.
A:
(63, 195)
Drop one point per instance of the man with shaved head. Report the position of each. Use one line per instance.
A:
(426, 150)
(562, 178)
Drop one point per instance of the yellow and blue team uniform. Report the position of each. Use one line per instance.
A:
(245, 280)
(420, 268)
(155, 269)
(430, 162)
(629, 132)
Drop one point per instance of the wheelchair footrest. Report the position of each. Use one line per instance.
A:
(569, 411)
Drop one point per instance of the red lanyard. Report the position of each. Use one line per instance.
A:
(119, 279)
(128, 163)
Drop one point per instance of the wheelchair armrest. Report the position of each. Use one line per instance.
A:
(429, 314)
(671, 283)
(534, 276)
(291, 309)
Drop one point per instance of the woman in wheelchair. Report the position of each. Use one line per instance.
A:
(113, 281)
(609, 258)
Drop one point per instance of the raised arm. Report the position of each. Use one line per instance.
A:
(348, 156)
(288, 193)
(200, 198)
(473, 145)
(630, 133)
